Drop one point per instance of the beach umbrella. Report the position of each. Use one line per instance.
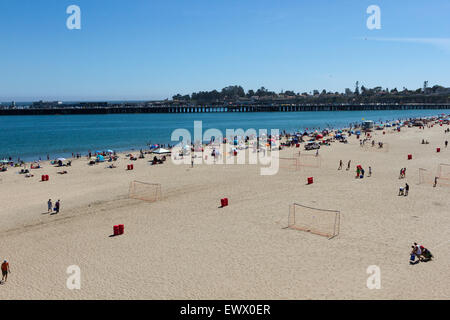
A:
(100, 158)
(4, 161)
(61, 159)
(109, 151)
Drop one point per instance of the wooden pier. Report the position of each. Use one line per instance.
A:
(216, 109)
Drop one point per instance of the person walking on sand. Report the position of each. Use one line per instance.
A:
(348, 164)
(5, 270)
(370, 171)
(49, 205)
(340, 165)
(57, 206)
(446, 143)
(406, 189)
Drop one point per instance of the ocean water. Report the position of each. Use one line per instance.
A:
(33, 137)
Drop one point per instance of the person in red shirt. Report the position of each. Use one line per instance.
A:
(5, 270)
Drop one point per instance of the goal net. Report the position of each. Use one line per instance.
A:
(444, 171)
(376, 147)
(144, 191)
(441, 179)
(317, 221)
(289, 163)
(308, 159)
(425, 176)
(443, 175)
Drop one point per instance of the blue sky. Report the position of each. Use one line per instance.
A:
(151, 49)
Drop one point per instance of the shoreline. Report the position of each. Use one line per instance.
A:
(133, 149)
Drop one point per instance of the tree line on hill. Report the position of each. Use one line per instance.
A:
(237, 94)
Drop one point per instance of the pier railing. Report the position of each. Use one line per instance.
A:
(217, 109)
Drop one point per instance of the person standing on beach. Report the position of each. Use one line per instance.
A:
(57, 206)
(49, 205)
(348, 165)
(340, 165)
(406, 189)
(446, 143)
(370, 171)
(5, 270)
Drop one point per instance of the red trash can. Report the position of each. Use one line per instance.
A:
(310, 180)
(116, 230)
(43, 177)
(409, 156)
(438, 149)
(222, 202)
(121, 228)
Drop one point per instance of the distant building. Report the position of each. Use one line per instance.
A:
(96, 104)
(46, 104)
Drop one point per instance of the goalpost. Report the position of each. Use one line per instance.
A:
(442, 177)
(308, 160)
(424, 176)
(144, 191)
(322, 222)
(444, 171)
(289, 163)
(376, 148)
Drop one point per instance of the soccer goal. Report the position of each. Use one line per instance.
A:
(322, 222)
(444, 171)
(308, 160)
(425, 177)
(289, 163)
(144, 191)
(377, 147)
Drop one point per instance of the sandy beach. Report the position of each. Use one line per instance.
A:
(185, 247)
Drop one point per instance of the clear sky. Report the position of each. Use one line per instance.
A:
(153, 49)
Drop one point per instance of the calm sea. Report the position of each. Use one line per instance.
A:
(33, 137)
